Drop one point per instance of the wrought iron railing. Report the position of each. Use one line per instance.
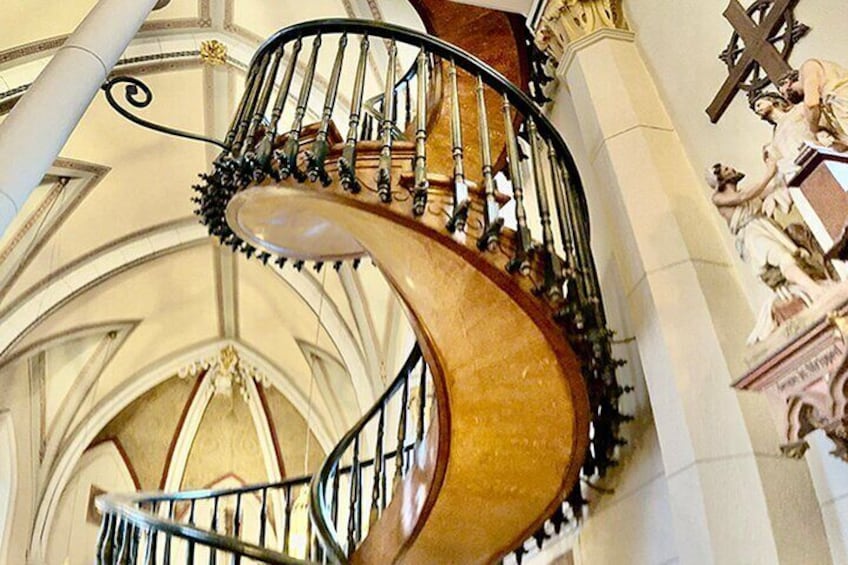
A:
(399, 418)
(548, 201)
(406, 103)
(273, 522)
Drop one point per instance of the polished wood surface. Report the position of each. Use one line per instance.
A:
(512, 407)
(495, 38)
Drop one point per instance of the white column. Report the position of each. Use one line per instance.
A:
(41, 122)
(728, 489)
(830, 478)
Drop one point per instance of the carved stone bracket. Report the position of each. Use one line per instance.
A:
(556, 23)
(806, 379)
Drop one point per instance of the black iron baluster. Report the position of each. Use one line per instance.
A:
(422, 401)
(288, 154)
(107, 548)
(213, 553)
(166, 554)
(288, 513)
(401, 433)
(359, 486)
(190, 546)
(574, 279)
(377, 468)
(585, 265)
(267, 145)
(354, 492)
(135, 540)
(347, 161)
(552, 283)
(520, 262)
(334, 498)
(102, 537)
(263, 517)
(248, 85)
(408, 99)
(150, 550)
(317, 155)
(237, 528)
(248, 149)
(384, 169)
(492, 221)
(459, 215)
(419, 202)
(251, 98)
(124, 550)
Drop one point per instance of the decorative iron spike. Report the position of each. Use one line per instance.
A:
(337, 266)
(280, 261)
(318, 265)
(298, 265)
(459, 215)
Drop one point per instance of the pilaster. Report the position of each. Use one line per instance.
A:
(728, 487)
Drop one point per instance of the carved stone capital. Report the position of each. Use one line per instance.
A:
(560, 22)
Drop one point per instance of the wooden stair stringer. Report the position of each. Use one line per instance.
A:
(512, 407)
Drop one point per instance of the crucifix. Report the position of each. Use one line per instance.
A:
(752, 48)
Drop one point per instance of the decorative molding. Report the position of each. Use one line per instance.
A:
(572, 49)
(557, 23)
(31, 49)
(213, 52)
(90, 175)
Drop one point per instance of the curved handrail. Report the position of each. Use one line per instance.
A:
(259, 153)
(522, 102)
(128, 510)
(113, 505)
(318, 507)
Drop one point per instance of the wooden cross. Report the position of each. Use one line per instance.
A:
(758, 50)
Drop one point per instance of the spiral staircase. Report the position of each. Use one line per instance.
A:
(443, 179)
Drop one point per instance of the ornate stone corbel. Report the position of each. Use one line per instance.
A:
(563, 21)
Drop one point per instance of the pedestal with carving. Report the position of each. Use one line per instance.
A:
(804, 374)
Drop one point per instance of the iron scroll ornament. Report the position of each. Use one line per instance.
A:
(139, 95)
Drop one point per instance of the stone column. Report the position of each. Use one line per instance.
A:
(41, 122)
(729, 490)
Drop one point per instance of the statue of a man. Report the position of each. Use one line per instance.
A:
(791, 132)
(759, 240)
(822, 86)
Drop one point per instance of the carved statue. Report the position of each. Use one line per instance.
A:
(761, 243)
(822, 86)
(791, 131)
